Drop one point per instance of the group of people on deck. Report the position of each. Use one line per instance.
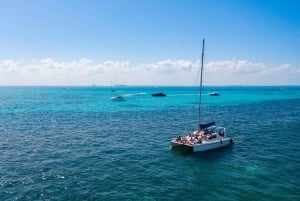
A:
(190, 140)
(196, 137)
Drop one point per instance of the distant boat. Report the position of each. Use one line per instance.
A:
(208, 136)
(160, 94)
(117, 98)
(215, 93)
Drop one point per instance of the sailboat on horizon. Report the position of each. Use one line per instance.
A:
(208, 136)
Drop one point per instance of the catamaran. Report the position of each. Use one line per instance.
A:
(208, 136)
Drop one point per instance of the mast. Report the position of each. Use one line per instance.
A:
(200, 92)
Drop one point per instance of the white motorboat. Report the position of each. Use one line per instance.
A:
(207, 136)
(215, 93)
(117, 98)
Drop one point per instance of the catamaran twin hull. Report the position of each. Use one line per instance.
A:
(204, 146)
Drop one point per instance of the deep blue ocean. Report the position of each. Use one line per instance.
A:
(74, 143)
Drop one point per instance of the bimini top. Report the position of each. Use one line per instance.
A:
(203, 126)
(215, 128)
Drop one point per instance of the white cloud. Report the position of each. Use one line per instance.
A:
(171, 66)
(9, 65)
(243, 72)
(167, 72)
(233, 66)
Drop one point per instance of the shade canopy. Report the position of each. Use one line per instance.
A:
(203, 126)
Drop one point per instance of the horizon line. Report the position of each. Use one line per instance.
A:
(154, 86)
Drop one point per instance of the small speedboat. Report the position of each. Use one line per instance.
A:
(117, 98)
(160, 94)
(215, 93)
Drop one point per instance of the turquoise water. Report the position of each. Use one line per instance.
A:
(74, 143)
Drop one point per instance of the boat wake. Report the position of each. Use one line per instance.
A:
(187, 95)
(136, 94)
(239, 139)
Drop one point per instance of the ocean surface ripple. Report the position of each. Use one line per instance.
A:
(77, 144)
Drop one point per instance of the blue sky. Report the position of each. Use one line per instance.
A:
(98, 41)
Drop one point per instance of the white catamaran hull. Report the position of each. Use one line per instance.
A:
(204, 146)
(211, 145)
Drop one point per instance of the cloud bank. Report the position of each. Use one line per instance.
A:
(167, 72)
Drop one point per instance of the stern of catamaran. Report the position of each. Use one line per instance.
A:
(224, 130)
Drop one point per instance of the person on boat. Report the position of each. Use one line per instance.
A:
(179, 139)
(198, 140)
(221, 133)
